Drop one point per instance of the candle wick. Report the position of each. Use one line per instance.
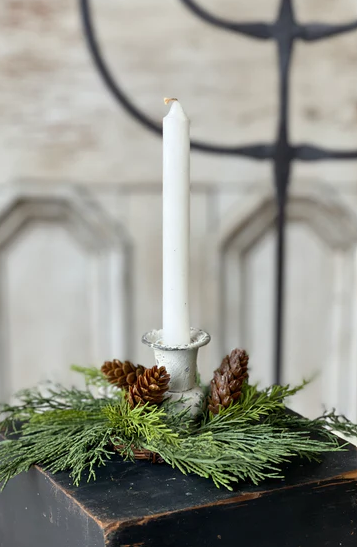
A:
(168, 100)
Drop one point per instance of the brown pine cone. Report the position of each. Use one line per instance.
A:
(150, 387)
(122, 374)
(236, 364)
(226, 386)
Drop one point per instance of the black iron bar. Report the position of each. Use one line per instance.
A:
(284, 29)
(307, 152)
(280, 292)
(262, 31)
(316, 31)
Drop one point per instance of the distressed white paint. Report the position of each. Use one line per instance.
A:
(180, 362)
(58, 121)
(319, 309)
(62, 264)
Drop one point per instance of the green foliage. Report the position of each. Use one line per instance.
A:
(145, 422)
(58, 440)
(251, 440)
(254, 452)
(92, 375)
(51, 397)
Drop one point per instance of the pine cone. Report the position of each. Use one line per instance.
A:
(122, 374)
(150, 387)
(226, 386)
(236, 364)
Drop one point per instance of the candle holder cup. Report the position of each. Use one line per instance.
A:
(180, 362)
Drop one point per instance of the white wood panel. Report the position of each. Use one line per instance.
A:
(258, 328)
(48, 310)
(320, 273)
(310, 312)
(75, 285)
(63, 287)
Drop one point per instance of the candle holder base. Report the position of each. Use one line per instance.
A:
(192, 399)
(180, 362)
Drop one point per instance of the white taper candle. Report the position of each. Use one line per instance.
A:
(176, 226)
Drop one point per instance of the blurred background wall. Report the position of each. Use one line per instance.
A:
(80, 217)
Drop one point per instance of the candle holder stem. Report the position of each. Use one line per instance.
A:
(181, 363)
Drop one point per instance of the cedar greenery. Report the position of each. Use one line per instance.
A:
(71, 429)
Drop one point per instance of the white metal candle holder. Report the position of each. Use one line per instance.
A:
(181, 363)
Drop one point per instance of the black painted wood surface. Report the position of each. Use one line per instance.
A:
(150, 505)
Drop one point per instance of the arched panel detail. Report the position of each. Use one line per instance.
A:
(322, 238)
(331, 221)
(63, 263)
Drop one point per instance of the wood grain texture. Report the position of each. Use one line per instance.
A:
(58, 121)
(147, 505)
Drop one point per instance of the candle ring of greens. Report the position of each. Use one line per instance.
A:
(251, 437)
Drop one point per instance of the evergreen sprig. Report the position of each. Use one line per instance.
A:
(141, 422)
(58, 440)
(51, 397)
(92, 375)
(70, 429)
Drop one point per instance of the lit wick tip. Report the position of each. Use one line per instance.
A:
(167, 100)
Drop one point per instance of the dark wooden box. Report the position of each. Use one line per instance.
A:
(152, 505)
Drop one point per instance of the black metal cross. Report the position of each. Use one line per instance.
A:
(284, 31)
